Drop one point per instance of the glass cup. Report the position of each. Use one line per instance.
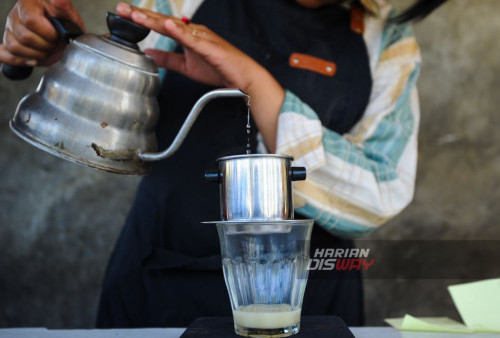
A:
(265, 270)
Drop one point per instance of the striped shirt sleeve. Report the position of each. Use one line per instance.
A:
(360, 180)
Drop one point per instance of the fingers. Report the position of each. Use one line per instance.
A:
(191, 36)
(187, 35)
(124, 10)
(31, 16)
(175, 28)
(25, 37)
(153, 23)
(19, 49)
(180, 64)
(169, 60)
(152, 20)
(65, 9)
(10, 59)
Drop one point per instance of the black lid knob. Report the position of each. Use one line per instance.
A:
(124, 31)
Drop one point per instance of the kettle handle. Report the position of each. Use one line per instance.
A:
(66, 30)
(188, 123)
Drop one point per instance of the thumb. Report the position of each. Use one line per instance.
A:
(65, 9)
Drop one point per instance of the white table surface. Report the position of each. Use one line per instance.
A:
(359, 332)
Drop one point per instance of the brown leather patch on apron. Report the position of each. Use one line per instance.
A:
(312, 63)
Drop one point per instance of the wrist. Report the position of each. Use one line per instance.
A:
(262, 85)
(266, 99)
(253, 74)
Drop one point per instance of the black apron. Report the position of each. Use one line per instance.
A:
(165, 269)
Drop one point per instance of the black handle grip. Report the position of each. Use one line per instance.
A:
(66, 30)
(212, 175)
(16, 72)
(298, 173)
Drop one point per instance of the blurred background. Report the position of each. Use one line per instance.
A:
(59, 221)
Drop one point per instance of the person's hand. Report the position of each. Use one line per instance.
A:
(210, 59)
(207, 57)
(29, 38)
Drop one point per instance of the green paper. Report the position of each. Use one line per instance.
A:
(395, 322)
(478, 304)
(428, 324)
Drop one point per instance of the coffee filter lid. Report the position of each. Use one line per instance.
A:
(248, 156)
(263, 222)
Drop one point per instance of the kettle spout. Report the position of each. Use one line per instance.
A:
(193, 115)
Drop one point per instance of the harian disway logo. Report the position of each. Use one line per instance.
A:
(340, 259)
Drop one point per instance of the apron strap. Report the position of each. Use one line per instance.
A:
(357, 19)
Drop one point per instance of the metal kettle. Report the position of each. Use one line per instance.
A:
(97, 106)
